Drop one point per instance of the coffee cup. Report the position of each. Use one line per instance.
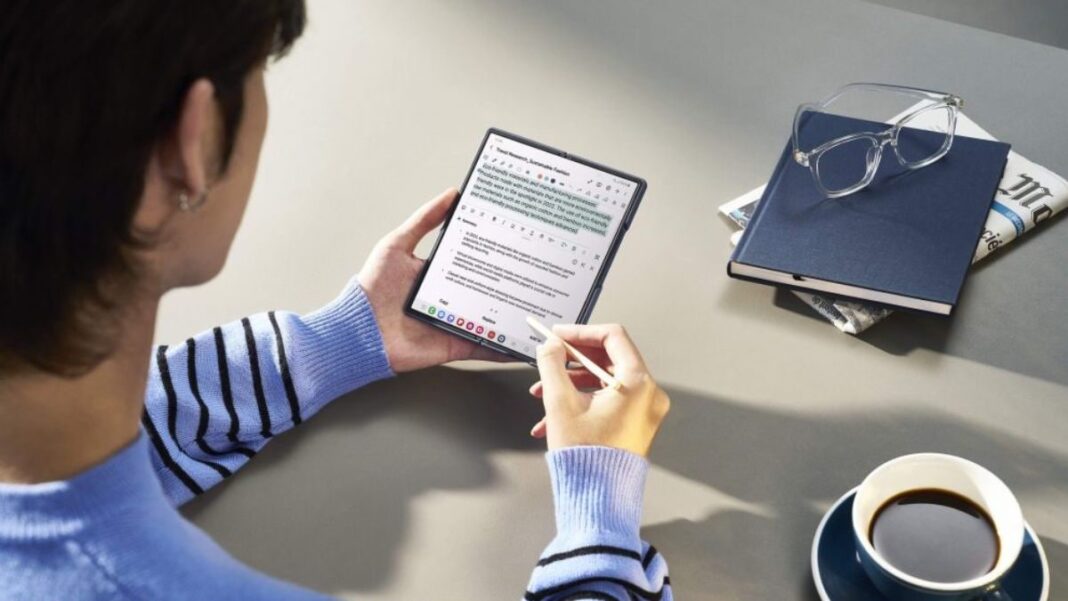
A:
(925, 525)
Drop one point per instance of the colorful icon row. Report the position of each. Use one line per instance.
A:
(467, 324)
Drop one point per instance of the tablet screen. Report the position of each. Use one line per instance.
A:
(530, 235)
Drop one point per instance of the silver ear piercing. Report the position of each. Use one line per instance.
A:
(189, 203)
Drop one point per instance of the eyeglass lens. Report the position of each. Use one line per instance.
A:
(916, 145)
(847, 164)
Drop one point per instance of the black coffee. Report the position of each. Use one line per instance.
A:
(935, 535)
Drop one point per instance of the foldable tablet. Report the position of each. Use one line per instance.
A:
(533, 233)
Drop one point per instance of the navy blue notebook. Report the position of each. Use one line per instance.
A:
(905, 241)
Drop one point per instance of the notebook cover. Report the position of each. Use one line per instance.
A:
(911, 232)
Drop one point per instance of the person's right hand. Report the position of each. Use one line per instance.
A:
(626, 419)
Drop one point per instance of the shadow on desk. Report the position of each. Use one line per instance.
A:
(377, 449)
(1010, 316)
(792, 466)
(339, 488)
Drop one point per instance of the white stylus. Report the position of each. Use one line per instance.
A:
(586, 362)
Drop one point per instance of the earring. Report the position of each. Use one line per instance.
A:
(188, 204)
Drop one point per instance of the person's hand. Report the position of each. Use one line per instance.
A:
(388, 276)
(626, 419)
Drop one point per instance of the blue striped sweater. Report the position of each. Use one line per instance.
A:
(112, 532)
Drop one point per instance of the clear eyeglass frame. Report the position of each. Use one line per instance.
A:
(878, 139)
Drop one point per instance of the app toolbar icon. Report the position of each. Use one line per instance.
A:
(479, 330)
(432, 311)
(450, 318)
(470, 325)
(500, 338)
(491, 334)
(459, 321)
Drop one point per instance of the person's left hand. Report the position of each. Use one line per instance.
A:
(387, 278)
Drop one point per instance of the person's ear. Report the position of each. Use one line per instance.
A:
(195, 139)
(180, 167)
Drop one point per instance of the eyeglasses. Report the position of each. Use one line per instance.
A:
(848, 164)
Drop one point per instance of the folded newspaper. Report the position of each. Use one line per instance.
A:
(1027, 195)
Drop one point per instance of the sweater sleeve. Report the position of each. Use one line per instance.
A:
(597, 553)
(215, 400)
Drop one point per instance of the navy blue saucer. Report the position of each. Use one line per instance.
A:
(839, 577)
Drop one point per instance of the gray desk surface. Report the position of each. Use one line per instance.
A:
(426, 486)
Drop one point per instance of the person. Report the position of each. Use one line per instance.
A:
(129, 137)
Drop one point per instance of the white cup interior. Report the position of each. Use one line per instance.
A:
(950, 473)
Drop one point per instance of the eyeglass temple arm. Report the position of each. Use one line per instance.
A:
(886, 87)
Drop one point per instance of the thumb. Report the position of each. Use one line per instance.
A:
(424, 220)
(552, 366)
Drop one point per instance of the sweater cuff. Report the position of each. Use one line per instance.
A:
(597, 489)
(343, 349)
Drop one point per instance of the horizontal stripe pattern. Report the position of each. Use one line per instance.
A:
(614, 576)
(195, 400)
(207, 415)
(593, 596)
(204, 403)
(598, 552)
(590, 550)
(626, 585)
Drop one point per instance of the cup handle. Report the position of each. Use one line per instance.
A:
(994, 593)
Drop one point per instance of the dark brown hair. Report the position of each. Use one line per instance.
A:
(87, 89)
